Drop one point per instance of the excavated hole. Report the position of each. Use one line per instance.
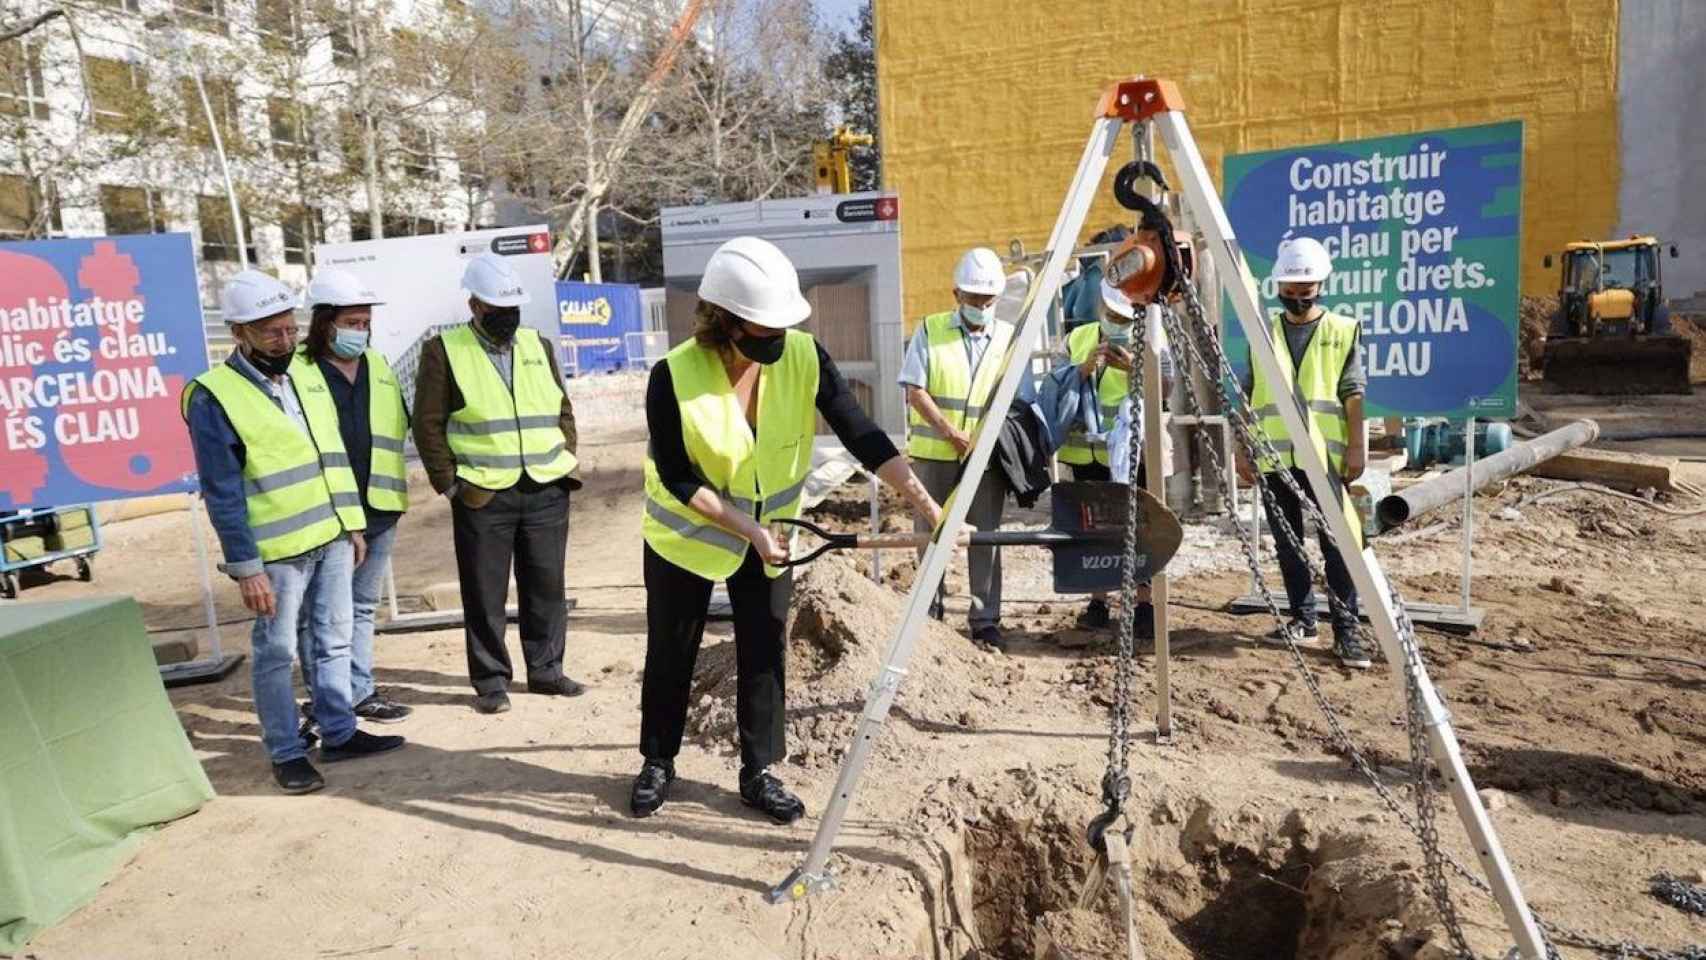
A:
(1209, 887)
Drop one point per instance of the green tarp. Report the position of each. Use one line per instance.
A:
(91, 754)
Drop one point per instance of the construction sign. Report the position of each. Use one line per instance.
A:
(595, 320)
(1424, 234)
(97, 338)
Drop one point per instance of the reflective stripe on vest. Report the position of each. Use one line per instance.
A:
(1314, 387)
(762, 477)
(286, 477)
(960, 392)
(388, 423)
(500, 431)
(1079, 448)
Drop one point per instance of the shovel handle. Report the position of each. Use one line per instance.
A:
(862, 541)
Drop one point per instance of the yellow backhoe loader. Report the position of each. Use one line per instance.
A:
(1612, 332)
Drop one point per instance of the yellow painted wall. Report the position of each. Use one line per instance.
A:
(986, 103)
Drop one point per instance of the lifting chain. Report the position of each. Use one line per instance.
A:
(1200, 339)
(1680, 894)
(1116, 781)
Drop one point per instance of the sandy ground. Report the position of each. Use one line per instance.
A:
(508, 836)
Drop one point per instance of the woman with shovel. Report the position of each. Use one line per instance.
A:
(731, 414)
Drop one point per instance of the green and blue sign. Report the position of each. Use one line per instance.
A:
(1424, 230)
(97, 338)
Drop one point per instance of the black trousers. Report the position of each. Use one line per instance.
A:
(529, 525)
(1281, 503)
(676, 602)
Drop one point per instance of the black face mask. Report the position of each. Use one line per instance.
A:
(1298, 306)
(500, 323)
(765, 350)
(272, 366)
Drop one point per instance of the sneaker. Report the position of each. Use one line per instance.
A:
(308, 733)
(1095, 615)
(297, 776)
(651, 788)
(495, 702)
(380, 710)
(1302, 631)
(990, 636)
(766, 794)
(1347, 646)
(556, 687)
(360, 744)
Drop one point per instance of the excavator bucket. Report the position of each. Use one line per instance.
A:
(1619, 365)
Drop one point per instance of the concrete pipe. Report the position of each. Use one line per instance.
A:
(1399, 508)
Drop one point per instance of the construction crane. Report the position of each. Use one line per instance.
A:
(598, 178)
(830, 159)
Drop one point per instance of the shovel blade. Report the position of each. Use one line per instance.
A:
(1097, 507)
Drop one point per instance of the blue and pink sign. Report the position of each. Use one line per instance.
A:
(97, 338)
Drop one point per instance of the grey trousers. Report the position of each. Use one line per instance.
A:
(984, 514)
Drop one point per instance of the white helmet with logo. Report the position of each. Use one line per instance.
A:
(1117, 302)
(1301, 260)
(252, 295)
(754, 280)
(332, 287)
(980, 272)
(492, 281)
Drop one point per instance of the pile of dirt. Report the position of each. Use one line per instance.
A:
(1693, 326)
(838, 633)
(1535, 314)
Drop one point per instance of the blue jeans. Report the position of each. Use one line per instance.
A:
(314, 589)
(365, 589)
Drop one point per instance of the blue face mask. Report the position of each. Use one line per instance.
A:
(1118, 334)
(977, 317)
(349, 344)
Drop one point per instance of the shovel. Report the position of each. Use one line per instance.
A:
(1087, 539)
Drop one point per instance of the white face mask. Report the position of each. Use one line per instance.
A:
(977, 316)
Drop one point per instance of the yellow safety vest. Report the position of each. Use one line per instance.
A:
(501, 430)
(300, 491)
(762, 477)
(388, 421)
(1079, 448)
(1315, 383)
(960, 392)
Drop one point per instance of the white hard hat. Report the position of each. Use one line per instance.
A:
(1301, 260)
(980, 272)
(752, 279)
(332, 287)
(252, 295)
(492, 281)
(1115, 300)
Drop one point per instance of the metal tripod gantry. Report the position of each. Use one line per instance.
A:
(1158, 104)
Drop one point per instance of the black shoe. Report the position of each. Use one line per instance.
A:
(380, 710)
(360, 744)
(1347, 646)
(651, 788)
(990, 636)
(297, 776)
(937, 611)
(308, 733)
(765, 793)
(495, 702)
(556, 687)
(1302, 631)
(1095, 616)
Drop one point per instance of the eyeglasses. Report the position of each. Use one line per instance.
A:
(274, 334)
